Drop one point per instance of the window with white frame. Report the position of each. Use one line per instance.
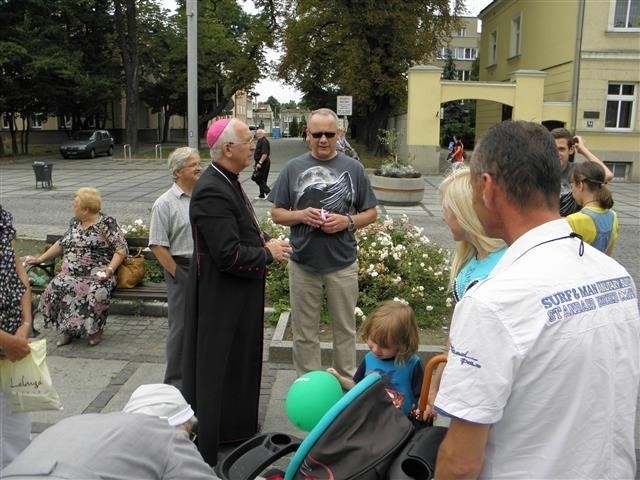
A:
(467, 53)
(621, 98)
(5, 122)
(620, 170)
(626, 14)
(463, 75)
(514, 43)
(462, 32)
(36, 121)
(493, 48)
(67, 121)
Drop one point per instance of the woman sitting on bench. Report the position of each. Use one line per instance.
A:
(76, 301)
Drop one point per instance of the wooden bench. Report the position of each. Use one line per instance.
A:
(143, 291)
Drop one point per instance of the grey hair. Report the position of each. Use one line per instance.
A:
(228, 135)
(178, 158)
(327, 112)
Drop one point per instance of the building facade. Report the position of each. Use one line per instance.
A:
(463, 46)
(590, 54)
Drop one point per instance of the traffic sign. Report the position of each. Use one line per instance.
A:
(344, 105)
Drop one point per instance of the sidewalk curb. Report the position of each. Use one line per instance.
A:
(280, 350)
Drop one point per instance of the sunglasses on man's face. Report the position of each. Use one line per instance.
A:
(320, 134)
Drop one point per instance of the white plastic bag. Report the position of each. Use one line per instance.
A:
(27, 383)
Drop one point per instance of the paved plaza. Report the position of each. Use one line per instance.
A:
(100, 379)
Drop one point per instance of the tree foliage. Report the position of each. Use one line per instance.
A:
(230, 58)
(275, 106)
(76, 58)
(56, 59)
(449, 71)
(363, 49)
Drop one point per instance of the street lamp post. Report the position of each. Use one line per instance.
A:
(192, 72)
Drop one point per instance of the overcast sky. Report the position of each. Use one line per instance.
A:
(283, 92)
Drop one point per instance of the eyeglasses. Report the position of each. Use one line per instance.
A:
(320, 134)
(253, 140)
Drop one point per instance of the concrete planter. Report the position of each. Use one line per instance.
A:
(398, 191)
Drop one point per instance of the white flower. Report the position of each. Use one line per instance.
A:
(139, 222)
(429, 308)
(401, 300)
(358, 312)
(373, 273)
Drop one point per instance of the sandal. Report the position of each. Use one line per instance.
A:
(95, 339)
(64, 339)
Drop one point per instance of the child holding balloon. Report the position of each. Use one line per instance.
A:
(391, 332)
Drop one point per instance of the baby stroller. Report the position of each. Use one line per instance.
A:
(362, 437)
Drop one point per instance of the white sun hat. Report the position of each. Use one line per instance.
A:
(160, 400)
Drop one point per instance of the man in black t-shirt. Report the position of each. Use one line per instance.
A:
(263, 163)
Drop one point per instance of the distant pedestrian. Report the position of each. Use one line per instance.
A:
(261, 157)
(457, 155)
(343, 145)
(171, 242)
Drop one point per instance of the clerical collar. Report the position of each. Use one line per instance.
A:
(227, 173)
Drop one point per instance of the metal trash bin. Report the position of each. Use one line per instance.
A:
(43, 174)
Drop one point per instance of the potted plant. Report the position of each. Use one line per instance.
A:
(396, 182)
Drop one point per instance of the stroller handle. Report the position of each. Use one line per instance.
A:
(426, 380)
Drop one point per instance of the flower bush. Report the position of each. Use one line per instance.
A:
(135, 229)
(396, 261)
(153, 271)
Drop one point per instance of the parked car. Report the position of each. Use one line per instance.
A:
(88, 143)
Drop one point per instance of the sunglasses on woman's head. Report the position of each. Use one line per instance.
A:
(320, 134)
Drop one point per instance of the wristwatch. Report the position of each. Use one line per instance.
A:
(351, 226)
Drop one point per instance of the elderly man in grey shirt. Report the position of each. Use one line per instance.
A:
(171, 242)
(148, 440)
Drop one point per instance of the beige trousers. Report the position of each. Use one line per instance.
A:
(307, 291)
